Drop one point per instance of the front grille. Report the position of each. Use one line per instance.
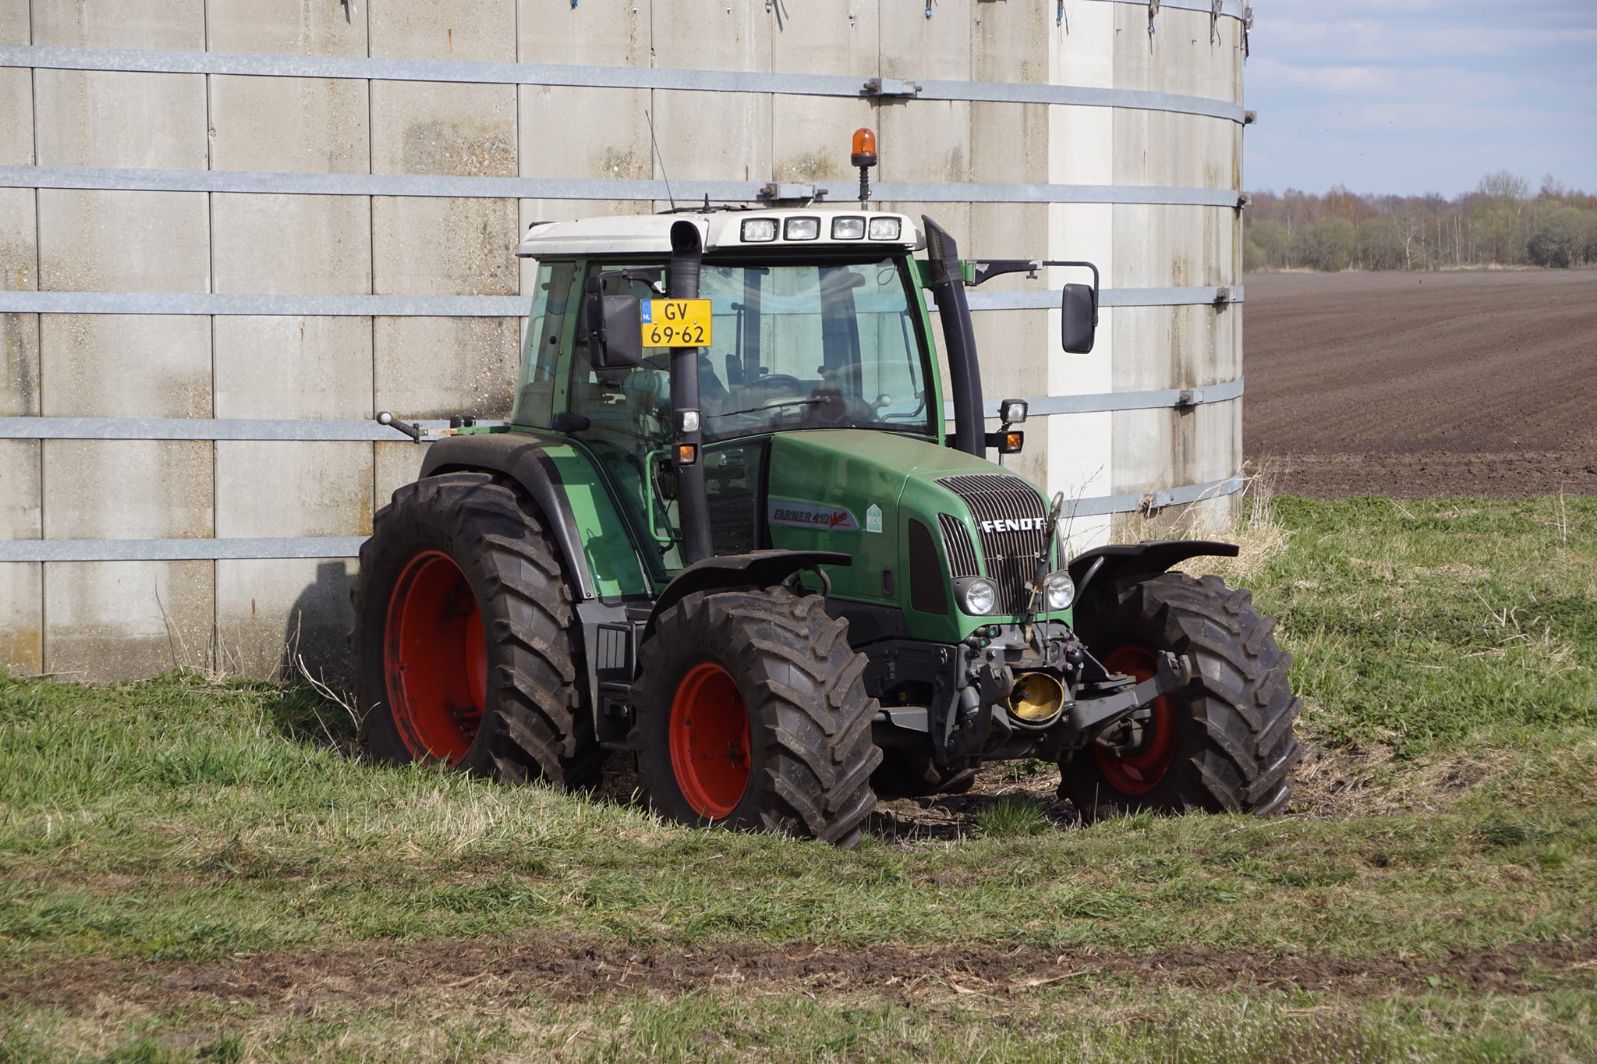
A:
(957, 545)
(1011, 552)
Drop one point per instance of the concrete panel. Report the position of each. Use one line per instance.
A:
(914, 46)
(1008, 42)
(576, 132)
(21, 618)
(177, 25)
(108, 621)
(828, 37)
(397, 465)
(102, 241)
(600, 34)
(20, 514)
(127, 489)
(280, 488)
(426, 128)
(811, 139)
(296, 124)
(444, 246)
(1009, 143)
(438, 367)
(426, 29)
(114, 365)
(14, 27)
(273, 615)
(1081, 52)
(293, 367)
(303, 244)
(16, 117)
(19, 240)
(714, 36)
(19, 365)
(1172, 245)
(1180, 58)
(711, 136)
(286, 27)
(1158, 148)
(114, 118)
(1159, 448)
(929, 141)
(1175, 347)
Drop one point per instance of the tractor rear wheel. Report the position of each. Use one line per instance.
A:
(752, 714)
(463, 638)
(1225, 743)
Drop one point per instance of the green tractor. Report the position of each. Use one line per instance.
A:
(725, 530)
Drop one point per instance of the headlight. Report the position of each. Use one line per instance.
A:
(758, 230)
(980, 597)
(1061, 590)
(884, 228)
(802, 228)
(848, 228)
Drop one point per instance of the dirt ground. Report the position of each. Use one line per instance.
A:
(1423, 385)
(489, 971)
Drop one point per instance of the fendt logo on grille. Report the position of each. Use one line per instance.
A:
(1015, 524)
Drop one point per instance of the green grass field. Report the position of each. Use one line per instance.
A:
(198, 870)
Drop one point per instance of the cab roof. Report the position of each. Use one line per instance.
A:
(650, 234)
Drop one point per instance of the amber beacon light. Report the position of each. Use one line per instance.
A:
(864, 157)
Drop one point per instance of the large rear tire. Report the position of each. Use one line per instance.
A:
(752, 714)
(464, 646)
(1223, 745)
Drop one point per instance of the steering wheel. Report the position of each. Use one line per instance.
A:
(787, 382)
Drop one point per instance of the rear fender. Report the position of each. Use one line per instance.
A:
(521, 458)
(760, 568)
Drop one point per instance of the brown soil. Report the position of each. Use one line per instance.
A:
(507, 971)
(1423, 385)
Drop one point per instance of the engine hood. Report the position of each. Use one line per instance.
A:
(857, 491)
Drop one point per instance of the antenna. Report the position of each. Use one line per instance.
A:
(661, 160)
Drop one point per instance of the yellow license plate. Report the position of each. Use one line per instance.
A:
(676, 322)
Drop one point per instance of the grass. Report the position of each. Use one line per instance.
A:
(153, 835)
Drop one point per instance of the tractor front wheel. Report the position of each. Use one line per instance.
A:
(752, 714)
(463, 638)
(1223, 744)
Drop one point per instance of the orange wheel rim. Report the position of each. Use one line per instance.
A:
(708, 735)
(435, 658)
(1140, 770)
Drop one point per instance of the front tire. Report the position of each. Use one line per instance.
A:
(1224, 744)
(752, 714)
(464, 648)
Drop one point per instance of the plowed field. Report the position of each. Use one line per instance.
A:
(1423, 385)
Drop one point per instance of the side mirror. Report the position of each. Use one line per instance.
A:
(1079, 324)
(615, 331)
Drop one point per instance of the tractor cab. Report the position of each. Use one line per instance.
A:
(803, 320)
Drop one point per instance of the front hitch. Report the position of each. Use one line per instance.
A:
(1091, 716)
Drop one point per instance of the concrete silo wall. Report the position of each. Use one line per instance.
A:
(232, 230)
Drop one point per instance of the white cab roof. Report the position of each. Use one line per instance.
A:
(650, 234)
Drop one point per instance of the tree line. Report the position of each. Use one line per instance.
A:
(1500, 223)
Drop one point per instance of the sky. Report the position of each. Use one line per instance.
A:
(1415, 96)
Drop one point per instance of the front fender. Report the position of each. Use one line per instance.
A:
(1110, 570)
(759, 568)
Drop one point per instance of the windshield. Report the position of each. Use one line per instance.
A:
(823, 345)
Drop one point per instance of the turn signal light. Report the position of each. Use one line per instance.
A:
(1010, 442)
(687, 453)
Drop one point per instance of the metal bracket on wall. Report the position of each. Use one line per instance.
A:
(890, 87)
(1214, 21)
(1247, 28)
(1153, 9)
(780, 192)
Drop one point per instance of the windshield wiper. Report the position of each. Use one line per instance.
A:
(817, 400)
